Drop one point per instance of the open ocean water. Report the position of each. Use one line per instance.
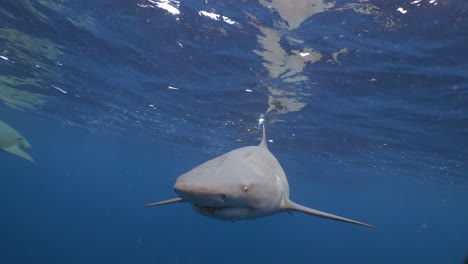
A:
(366, 108)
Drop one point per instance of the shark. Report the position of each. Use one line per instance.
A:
(11, 141)
(245, 183)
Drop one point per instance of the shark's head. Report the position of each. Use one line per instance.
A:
(197, 192)
(216, 201)
(228, 188)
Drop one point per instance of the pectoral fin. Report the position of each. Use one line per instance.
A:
(292, 206)
(19, 152)
(173, 200)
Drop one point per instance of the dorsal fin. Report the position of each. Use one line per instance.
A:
(263, 142)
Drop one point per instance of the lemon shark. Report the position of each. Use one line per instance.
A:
(13, 142)
(242, 184)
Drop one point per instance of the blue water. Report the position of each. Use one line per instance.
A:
(382, 138)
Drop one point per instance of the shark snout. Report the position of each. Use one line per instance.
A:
(182, 188)
(198, 194)
(185, 188)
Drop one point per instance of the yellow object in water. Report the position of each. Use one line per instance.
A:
(13, 142)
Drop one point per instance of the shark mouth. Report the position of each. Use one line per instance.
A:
(211, 209)
(207, 209)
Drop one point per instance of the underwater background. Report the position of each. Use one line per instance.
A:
(365, 103)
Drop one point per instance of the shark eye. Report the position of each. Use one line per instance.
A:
(223, 196)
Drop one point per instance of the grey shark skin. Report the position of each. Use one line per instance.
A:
(11, 141)
(242, 184)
